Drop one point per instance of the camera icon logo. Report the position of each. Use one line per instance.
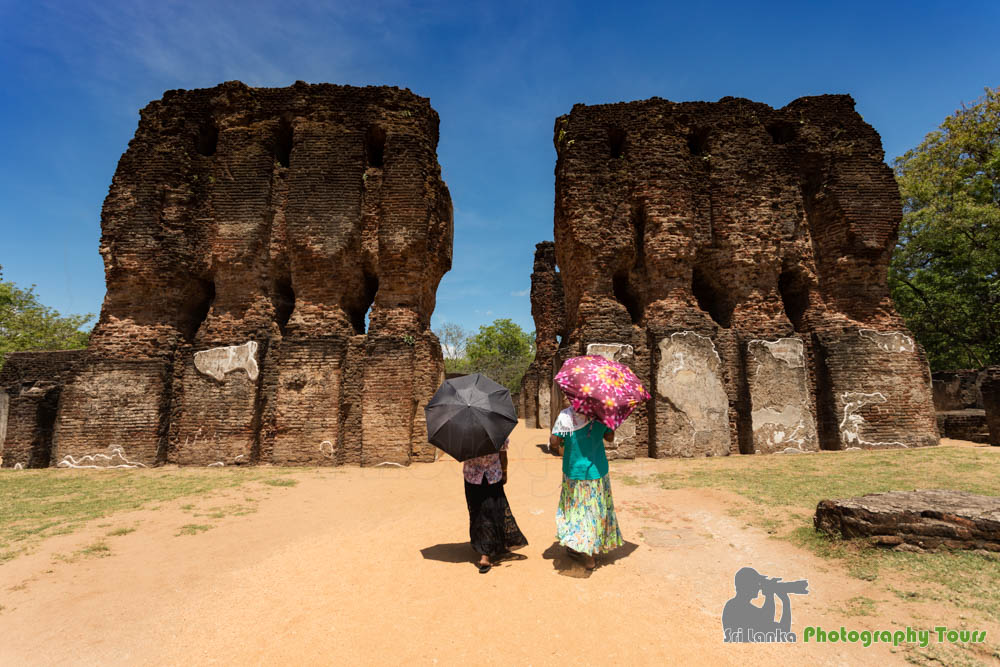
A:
(744, 621)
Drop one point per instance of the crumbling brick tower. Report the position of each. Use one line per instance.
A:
(547, 311)
(246, 234)
(735, 256)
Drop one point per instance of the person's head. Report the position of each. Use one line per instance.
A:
(748, 583)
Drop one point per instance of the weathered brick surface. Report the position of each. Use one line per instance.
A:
(704, 235)
(963, 425)
(991, 401)
(958, 400)
(128, 400)
(924, 518)
(30, 386)
(550, 323)
(958, 390)
(278, 217)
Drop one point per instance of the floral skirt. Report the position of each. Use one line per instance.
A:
(492, 529)
(586, 520)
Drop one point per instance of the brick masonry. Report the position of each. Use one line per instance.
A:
(30, 386)
(741, 252)
(991, 400)
(547, 311)
(958, 399)
(272, 257)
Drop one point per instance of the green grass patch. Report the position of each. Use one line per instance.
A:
(281, 482)
(859, 606)
(781, 494)
(98, 549)
(118, 532)
(804, 480)
(194, 529)
(38, 504)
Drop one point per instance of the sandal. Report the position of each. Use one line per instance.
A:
(483, 569)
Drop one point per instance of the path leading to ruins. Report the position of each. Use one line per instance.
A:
(372, 566)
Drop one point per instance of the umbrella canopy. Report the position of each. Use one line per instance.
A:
(470, 416)
(601, 389)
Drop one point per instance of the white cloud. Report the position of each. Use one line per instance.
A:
(524, 292)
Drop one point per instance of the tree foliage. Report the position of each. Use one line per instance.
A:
(26, 324)
(944, 272)
(501, 350)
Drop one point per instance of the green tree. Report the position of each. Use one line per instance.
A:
(943, 274)
(25, 324)
(501, 350)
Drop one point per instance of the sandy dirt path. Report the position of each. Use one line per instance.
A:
(372, 566)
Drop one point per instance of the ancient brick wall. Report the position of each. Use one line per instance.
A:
(272, 257)
(737, 255)
(958, 400)
(30, 386)
(550, 325)
(958, 390)
(991, 400)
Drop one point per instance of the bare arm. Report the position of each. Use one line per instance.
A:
(555, 444)
(503, 466)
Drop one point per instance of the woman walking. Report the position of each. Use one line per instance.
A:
(492, 529)
(586, 523)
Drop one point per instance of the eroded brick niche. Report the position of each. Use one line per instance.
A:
(735, 256)
(272, 257)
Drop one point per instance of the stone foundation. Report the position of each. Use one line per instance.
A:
(925, 519)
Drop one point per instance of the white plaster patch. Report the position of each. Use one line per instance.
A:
(689, 379)
(114, 458)
(389, 463)
(217, 464)
(851, 424)
(611, 351)
(889, 341)
(4, 406)
(218, 361)
(37, 390)
(18, 466)
(545, 408)
(789, 350)
(326, 449)
(787, 425)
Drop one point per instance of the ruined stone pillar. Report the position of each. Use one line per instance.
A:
(741, 251)
(247, 235)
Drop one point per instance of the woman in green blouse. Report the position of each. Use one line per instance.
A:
(585, 521)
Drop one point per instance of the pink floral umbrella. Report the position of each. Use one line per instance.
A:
(601, 389)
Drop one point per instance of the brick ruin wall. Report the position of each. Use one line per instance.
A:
(547, 312)
(246, 235)
(958, 401)
(735, 256)
(30, 386)
(990, 389)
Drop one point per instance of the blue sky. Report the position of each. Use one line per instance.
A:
(73, 76)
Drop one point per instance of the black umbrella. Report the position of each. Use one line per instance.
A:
(470, 416)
